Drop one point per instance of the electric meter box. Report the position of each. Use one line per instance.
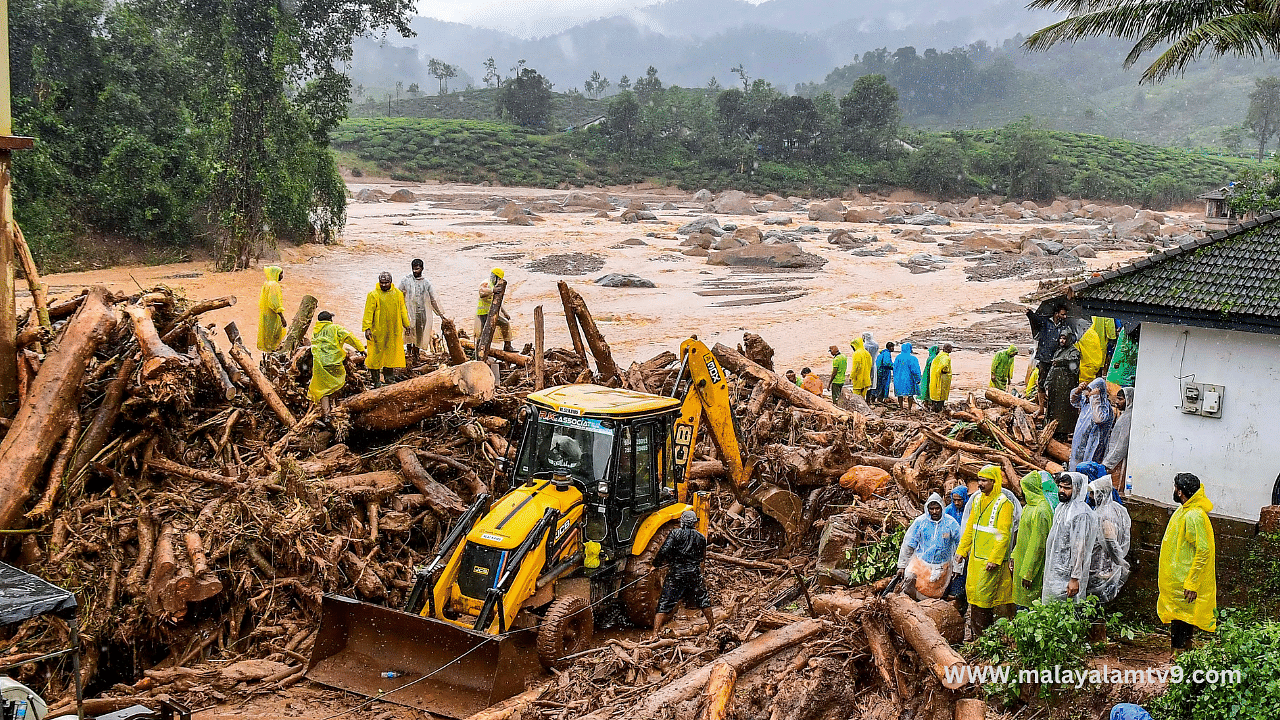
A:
(1204, 399)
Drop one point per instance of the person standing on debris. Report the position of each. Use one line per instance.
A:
(985, 546)
(1111, 550)
(1068, 552)
(271, 324)
(884, 373)
(859, 368)
(924, 376)
(1062, 378)
(940, 379)
(682, 553)
(419, 301)
(811, 382)
(1118, 444)
(328, 371)
(1002, 368)
(1028, 552)
(502, 323)
(958, 496)
(1046, 331)
(873, 349)
(906, 377)
(928, 550)
(1093, 425)
(385, 320)
(1188, 565)
(839, 371)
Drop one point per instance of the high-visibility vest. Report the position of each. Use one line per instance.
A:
(486, 302)
(985, 536)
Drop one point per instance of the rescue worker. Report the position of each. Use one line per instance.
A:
(385, 320)
(1068, 553)
(906, 377)
(1002, 367)
(940, 379)
(328, 372)
(271, 325)
(1028, 552)
(419, 301)
(925, 561)
(985, 546)
(811, 382)
(839, 371)
(1111, 550)
(1046, 330)
(791, 375)
(502, 323)
(1093, 423)
(1188, 565)
(682, 553)
(859, 368)
(884, 373)
(924, 376)
(959, 496)
(873, 349)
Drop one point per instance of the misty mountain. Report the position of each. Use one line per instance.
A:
(691, 41)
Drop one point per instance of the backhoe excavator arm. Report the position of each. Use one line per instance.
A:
(707, 394)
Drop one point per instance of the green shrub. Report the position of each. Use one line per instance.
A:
(1242, 643)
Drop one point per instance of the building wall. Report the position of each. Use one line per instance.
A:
(1237, 456)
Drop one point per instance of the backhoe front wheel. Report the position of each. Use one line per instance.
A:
(642, 582)
(566, 629)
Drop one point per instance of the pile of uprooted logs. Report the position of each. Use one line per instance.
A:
(199, 505)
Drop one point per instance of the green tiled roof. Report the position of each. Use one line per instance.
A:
(1232, 276)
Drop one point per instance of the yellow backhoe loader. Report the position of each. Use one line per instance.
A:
(599, 481)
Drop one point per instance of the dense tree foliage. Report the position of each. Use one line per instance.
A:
(1263, 118)
(526, 99)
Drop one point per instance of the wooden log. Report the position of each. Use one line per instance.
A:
(1059, 451)
(39, 290)
(450, 333)
(58, 471)
(915, 625)
(38, 426)
(135, 581)
(365, 486)
(163, 568)
(190, 316)
(605, 366)
(507, 357)
(840, 603)
(335, 458)
(513, 707)
(736, 362)
(757, 350)
(402, 404)
(971, 709)
(882, 651)
(946, 618)
(718, 697)
(300, 325)
(158, 359)
(1023, 429)
(242, 357)
(165, 465)
(571, 319)
(1008, 400)
(742, 658)
(442, 501)
(539, 360)
(209, 359)
(495, 311)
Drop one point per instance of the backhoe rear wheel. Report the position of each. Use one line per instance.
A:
(566, 629)
(642, 583)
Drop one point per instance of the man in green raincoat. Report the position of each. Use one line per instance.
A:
(1028, 552)
(328, 373)
(1002, 367)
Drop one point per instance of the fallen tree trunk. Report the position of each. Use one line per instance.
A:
(507, 357)
(160, 362)
(740, 659)
(444, 502)
(242, 357)
(513, 707)
(539, 359)
(402, 404)
(605, 365)
(209, 358)
(882, 651)
(718, 698)
(368, 486)
(195, 311)
(38, 426)
(915, 625)
(39, 290)
(1009, 400)
(56, 474)
(740, 364)
(495, 311)
(575, 336)
(840, 603)
(300, 324)
(450, 333)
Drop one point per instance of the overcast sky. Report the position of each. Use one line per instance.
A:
(528, 18)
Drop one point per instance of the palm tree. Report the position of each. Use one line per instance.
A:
(1190, 28)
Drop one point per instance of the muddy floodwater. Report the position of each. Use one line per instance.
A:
(799, 312)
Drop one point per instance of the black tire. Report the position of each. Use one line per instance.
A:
(566, 629)
(642, 583)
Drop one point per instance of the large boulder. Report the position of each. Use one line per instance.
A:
(778, 220)
(1124, 213)
(579, 199)
(947, 210)
(732, 202)
(863, 215)
(706, 222)
(1136, 228)
(980, 241)
(1012, 211)
(403, 195)
(928, 219)
(702, 196)
(369, 195)
(771, 256)
(702, 240)
(509, 211)
(623, 280)
(1084, 251)
(728, 242)
(829, 211)
(747, 235)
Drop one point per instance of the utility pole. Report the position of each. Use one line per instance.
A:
(8, 143)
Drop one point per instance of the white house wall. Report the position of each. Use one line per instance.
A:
(1236, 456)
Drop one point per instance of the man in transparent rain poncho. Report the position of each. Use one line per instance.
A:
(1068, 553)
(925, 560)
(1110, 568)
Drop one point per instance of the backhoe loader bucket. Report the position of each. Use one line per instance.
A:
(440, 667)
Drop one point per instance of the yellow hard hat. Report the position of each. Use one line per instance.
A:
(498, 273)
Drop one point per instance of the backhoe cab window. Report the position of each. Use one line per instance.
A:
(577, 447)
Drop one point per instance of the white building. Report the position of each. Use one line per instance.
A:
(1207, 392)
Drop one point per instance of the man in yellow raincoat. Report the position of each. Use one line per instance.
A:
(940, 378)
(271, 325)
(985, 544)
(328, 373)
(859, 378)
(385, 320)
(1188, 570)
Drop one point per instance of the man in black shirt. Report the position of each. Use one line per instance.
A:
(1046, 330)
(683, 552)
